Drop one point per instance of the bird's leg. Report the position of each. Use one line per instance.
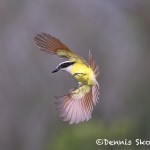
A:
(77, 74)
(81, 84)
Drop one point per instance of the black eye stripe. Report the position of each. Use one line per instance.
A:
(66, 64)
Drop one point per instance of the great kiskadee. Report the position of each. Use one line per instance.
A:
(76, 106)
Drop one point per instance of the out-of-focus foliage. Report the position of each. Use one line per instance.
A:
(116, 31)
(84, 136)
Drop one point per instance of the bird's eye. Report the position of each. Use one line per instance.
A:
(71, 63)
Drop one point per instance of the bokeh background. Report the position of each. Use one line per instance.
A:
(118, 34)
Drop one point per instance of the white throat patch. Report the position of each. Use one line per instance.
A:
(68, 69)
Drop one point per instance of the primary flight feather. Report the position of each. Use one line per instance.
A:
(77, 106)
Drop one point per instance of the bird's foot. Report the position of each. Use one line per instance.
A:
(78, 74)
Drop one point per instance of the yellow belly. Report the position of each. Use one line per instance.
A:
(83, 73)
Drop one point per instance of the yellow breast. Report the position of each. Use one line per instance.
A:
(83, 73)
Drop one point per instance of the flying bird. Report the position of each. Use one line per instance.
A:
(77, 106)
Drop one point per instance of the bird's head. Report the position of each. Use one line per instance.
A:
(64, 66)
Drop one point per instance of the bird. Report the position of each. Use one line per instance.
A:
(76, 106)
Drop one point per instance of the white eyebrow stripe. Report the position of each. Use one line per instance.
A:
(64, 62)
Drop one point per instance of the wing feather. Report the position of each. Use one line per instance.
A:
(77, 106)
(52, 45)
(93, 65)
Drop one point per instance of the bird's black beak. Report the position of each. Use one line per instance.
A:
(57, 69)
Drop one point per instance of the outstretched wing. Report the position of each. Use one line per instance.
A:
(52, 45)
(77, 106)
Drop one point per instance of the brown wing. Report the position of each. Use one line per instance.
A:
(92, 64)
(77, 106)
(52, 45)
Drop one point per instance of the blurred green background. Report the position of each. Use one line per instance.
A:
(118, 34)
